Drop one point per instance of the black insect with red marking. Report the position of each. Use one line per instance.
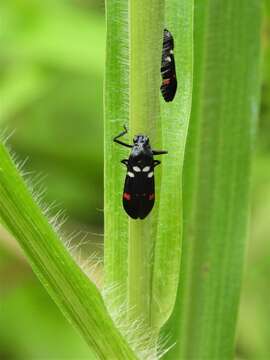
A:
(169, 82)
(139, 189)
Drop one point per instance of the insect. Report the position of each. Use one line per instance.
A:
(169, 82)
(139, 189)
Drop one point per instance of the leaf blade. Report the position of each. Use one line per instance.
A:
(175, 119)
(216, 177)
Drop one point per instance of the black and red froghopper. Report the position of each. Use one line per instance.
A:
(139, 188)
(169, 82)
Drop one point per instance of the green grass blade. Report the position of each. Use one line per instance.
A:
(146, 29)
(217, 177)
(116, 115)
(175, 118)
(134, 43)
(73, 292)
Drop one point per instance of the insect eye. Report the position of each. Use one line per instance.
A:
(147, 140)
(135, 139)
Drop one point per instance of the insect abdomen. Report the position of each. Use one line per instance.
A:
(139, 193)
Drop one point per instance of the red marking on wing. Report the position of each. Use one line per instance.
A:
(151, 196)
(166, 81)
(127, 196)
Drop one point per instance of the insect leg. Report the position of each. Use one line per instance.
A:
(156, 162)
(159, 152)
(125, 162)
(115, 139)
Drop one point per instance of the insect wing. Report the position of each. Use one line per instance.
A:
(169, 83)
(139, 194)
(168, 88)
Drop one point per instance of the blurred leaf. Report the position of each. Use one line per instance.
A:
(21, 86)
(51, 93)
(52, 33)
(40, 331)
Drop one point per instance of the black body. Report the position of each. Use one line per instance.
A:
(169, 81)
(139, 189)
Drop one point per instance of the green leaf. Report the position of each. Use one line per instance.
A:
(175, 119)
(217, 178)
(134, 44)
(136, 261)
(73, 292)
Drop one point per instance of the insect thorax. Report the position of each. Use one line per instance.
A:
(141, 156)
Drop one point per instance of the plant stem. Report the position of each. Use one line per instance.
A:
(116, 115)
(146, 34)
(73, 292)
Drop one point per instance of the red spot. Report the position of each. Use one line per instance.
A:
(151, 196)
(127, 196)
(166, 81)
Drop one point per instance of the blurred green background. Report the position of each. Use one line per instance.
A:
(51, 79)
